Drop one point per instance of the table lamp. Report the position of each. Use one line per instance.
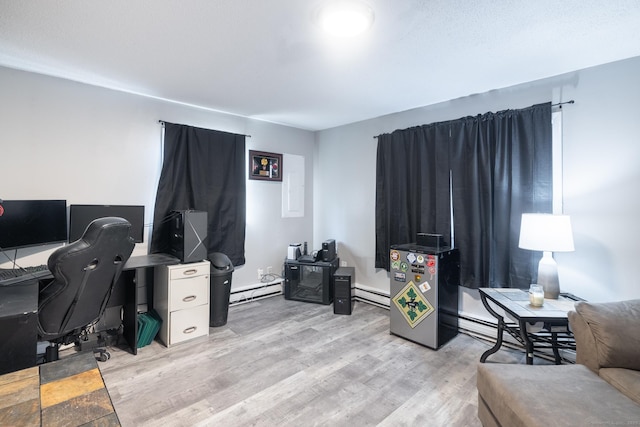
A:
(547, 233)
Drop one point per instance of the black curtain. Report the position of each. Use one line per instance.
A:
(500, 166)
(412, 187)
(203, 170)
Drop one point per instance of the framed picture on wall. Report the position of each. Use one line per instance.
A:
(265, 166)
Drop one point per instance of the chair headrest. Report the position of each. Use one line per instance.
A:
(114, 230)
(113, 225)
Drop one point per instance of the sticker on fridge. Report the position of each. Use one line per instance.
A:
(413, 306)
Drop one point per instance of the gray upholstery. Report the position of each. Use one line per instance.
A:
(551, 395)
(625, 380)
(611, 324)
(602, 389)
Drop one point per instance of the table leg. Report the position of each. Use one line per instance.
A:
(498, 343)
(528, 344)
(554, 346)
(501, 328)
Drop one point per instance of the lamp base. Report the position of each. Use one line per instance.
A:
(548, 276)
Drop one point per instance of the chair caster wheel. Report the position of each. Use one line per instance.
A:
(102, 356)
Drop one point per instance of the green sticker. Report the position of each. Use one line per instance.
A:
(412, 304)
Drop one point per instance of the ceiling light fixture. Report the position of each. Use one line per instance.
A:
(345, 18)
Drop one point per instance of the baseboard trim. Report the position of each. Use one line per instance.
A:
(256, 292)
(372, 296)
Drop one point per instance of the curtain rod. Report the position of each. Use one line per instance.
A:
(162, 122)
(559, 105)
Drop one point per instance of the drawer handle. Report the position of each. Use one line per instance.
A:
(190, 272)
(190, 330)
(189, 298)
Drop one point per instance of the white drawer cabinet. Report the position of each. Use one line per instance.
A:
(181, 298)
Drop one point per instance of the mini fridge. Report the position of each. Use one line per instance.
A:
(424, 293)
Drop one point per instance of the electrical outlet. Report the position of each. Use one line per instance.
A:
(260, 274)
(269, 270)
(343, 263)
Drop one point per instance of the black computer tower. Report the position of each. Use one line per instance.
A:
(188, 231)
(344, 290)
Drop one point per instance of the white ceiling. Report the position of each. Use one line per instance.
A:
(266, 59)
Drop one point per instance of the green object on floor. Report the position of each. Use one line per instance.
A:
(148, 327)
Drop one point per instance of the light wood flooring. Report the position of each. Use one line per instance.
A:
(286, 363)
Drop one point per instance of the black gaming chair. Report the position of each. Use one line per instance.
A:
(84, 274)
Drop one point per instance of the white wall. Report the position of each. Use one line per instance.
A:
(62, 139)
(602, 182)
(601, 178)
(65, 140)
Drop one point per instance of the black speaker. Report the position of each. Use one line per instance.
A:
(328, 250)
(344, 290)
(188, 233)
(430, 240)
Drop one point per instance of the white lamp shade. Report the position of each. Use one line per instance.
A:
(546, 232)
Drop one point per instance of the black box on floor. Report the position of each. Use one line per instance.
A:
(344, 291)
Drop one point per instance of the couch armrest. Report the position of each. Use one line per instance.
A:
(586, 353)
(614, 328)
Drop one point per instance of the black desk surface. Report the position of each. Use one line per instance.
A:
(150, 260)
(22, 296)
(138, 261)
(19, 298)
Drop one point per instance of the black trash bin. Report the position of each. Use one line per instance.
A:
(221, 270)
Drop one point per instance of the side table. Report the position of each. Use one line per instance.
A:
(533, 327)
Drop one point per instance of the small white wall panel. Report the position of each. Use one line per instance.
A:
(292, 186)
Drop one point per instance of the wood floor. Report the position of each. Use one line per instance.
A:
(288, 363)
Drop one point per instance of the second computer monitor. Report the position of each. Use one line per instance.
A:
(80, 216)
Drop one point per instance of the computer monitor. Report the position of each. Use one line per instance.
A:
(25, 223)
(80, 216)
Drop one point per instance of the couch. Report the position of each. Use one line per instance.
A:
(602, 388)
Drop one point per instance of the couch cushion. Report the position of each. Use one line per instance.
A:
(551, 395)
(615, 327)
(625, 380)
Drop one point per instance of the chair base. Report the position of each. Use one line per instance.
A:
(52, 353)
(91, 342)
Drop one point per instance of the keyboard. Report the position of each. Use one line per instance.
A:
(10, 276)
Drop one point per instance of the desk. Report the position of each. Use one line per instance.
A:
(134, 272)
(533, 327)
(19, 311)
(18, 326)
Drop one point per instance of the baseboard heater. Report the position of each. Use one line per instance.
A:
(372, 296)
(255, 292)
